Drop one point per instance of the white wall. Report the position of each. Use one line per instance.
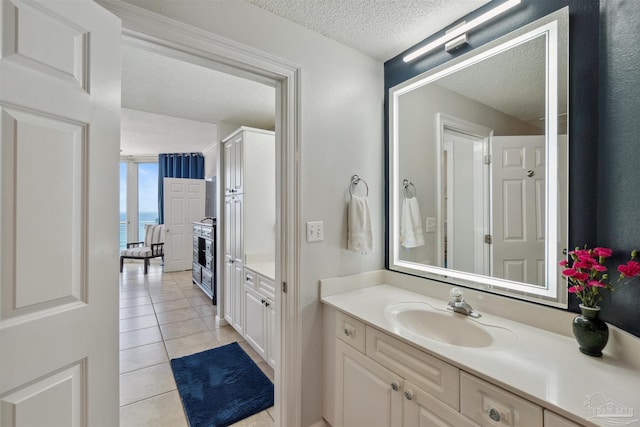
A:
(341, 135)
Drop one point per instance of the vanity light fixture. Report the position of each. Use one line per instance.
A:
(461, 30)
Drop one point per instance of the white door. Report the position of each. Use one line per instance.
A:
(518, 190)
(255, 323)
(183, 204)
(59, 153)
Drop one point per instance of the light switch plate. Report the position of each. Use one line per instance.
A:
(430, 225)
(315, 231)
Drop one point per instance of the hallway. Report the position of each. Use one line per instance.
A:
(165, 316)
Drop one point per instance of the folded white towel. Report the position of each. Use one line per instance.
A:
(411, 234)
(360, 238)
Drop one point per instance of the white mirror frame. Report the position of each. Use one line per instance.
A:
(554, 292)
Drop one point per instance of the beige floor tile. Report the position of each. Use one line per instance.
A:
(175, 304)
(145, 383)
(201, 299)
(140, 310)
(227, 335)
(194, 292)
(142, 357)
(136, 293)
(166, 296)
(183, 328)
(206, 309)
(140, 337)
(164, 410)
(133, 302)
(210, 321)
(261, 419)
(187, 286)
(177, 315)
(140, 322)
(190, 344)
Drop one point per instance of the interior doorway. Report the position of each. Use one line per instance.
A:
(182, 42)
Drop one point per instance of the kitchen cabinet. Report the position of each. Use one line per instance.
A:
(249, 213)
(259, 315)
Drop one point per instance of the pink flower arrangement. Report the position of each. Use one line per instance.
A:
(587, 275)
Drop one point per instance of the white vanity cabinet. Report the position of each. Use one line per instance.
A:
(376, 379)
(554, 420)
(259, 309)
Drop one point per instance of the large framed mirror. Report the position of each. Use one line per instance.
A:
(478, 167)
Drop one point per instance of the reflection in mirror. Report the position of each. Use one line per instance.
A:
(478, 166)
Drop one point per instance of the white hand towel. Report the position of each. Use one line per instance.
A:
(411, 234)
(360, 238)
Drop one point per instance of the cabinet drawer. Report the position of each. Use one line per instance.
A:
(197, 230)
(197, 272)
(207, 232)
(350, 330)
(492, 406)
(208, 247)
(250, 278)
(429, 373)
(195, 254)
(207, 278)
(266, 287)
(196, 240)
(208, 261)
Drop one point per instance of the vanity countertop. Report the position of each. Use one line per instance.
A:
(266, 269)
(543, 367)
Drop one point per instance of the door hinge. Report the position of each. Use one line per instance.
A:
(487, 159)
(284, 287)
(488, 239)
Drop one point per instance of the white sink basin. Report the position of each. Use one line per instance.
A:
(423, 320)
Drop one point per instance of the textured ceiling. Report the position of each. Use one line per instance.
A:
(379, 28)
(147, 134)
(165, 86)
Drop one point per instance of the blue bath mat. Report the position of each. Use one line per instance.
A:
(221, 386)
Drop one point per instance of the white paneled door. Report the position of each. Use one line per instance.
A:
(518, 188)
(183, 204)
(60, 139)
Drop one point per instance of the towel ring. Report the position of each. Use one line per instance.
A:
(355, 180)
(406, 184)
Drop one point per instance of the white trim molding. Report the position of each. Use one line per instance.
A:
(157, 33)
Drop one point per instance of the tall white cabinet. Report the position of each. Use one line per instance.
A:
(249, 232)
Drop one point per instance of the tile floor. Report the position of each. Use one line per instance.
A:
(164, 316)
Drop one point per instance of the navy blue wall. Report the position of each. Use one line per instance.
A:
(604, 96)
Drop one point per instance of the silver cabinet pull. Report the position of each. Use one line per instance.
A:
(408, 394)
(394, 386)
(494, 414)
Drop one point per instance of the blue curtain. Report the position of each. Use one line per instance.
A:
(177, 165)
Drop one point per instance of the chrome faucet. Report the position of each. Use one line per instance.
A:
(459, 305)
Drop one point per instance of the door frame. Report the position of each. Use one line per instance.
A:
(446, 123)
(147, 30)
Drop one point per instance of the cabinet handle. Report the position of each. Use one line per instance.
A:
(266, 304)
(248, 278)
(394, 386)
(494, 414)
(408, 394)
(262, 301)
(346, 332)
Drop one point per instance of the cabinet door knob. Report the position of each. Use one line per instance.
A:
(266, 304)
(346, 332)
(262, 301)
(394, 386)
(494, 414)
(408, 394)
